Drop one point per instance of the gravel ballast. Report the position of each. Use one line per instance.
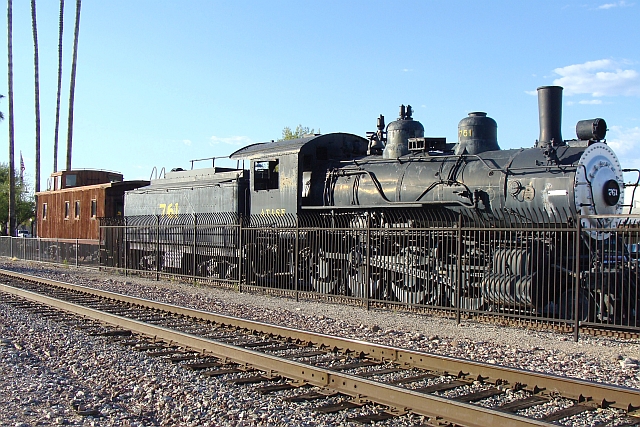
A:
(53, 374)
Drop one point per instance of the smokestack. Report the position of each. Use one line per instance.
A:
(550, 113)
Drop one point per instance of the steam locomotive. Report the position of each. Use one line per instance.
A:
(398, 178)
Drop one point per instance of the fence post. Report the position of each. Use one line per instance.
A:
(367, 266)
(194, 249)
(458, 269)
(576, 242)
(11, 246)
(296, 258)
(242, 253)
(77, 243)
(158, 248)
(124, 244)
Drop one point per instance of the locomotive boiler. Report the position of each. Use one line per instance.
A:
(399, 183)
(580, 176)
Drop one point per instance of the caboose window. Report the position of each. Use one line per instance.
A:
(66, 210)
(265, 175)
(44, 211)
(77, 209)
(94, 208)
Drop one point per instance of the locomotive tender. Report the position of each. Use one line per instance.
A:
(398, 169)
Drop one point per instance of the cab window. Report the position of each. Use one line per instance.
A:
(266, 175)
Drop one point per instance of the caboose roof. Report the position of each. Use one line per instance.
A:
(351, 145)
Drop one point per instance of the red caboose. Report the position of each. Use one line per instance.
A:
(70, 208)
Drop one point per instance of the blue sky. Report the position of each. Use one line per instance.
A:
(162, 82)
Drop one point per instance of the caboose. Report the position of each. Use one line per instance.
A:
(75, 199)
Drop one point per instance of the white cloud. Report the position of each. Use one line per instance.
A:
(620, 3)
(186, 142)
(591, 102)
(603, 77)
(585, 102)
(231, 140)
(626, 144)
(406, 70)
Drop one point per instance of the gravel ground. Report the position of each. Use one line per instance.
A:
(52, 374)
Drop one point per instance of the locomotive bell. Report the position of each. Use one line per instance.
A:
(477, 134)
(399, 132)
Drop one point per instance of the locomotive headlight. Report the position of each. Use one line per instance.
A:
(598, 188)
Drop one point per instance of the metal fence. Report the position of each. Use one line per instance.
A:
(73, 252)
(537, 266)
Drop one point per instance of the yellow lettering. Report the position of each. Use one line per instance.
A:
(271, 211)
(171, 210)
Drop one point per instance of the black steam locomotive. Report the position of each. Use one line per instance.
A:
(385, 181)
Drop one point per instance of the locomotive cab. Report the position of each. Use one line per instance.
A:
(289, 175)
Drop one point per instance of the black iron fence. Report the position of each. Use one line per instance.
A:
(528, 265)
(72, 252)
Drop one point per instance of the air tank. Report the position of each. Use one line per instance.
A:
(477, 134)
(399, 132)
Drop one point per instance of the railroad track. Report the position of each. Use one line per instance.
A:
(339, 373)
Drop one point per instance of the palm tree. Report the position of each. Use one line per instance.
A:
(12, 176)
(37, 92)
(55, 142)
(73, 83)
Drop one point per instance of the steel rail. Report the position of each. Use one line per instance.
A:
(393, 396)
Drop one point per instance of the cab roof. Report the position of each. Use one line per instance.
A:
(338, 145)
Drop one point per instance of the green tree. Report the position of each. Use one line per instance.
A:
(36, 80)
(25, 203)
(300, 131)
(11, 191)
(72, 88)
(55, 141)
